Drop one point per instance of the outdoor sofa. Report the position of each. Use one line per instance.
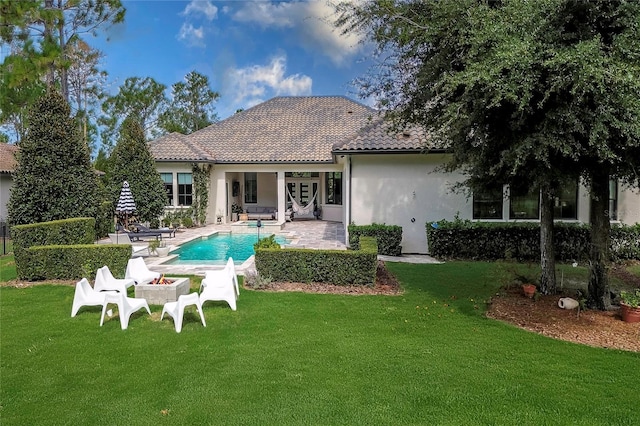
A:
(263, 213)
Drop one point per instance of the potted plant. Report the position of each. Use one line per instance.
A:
(235, 211)
(162, 250)
(529, 290)
(630, 305)
(153, 246)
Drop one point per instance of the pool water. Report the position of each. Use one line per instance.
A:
(216, 249)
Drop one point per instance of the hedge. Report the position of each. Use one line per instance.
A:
(490, 241)
(341, 267)
(74, 261)
(389, 237)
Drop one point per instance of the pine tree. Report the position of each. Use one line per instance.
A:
(54, 178)
(132, 161)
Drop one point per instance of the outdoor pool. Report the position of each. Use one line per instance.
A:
(216, 249)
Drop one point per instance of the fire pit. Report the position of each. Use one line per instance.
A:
(167, 290)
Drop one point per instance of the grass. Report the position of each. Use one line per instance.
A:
(426, 357)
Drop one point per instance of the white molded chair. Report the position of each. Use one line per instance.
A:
(85, 295)
(137, 270)
(126, 306)
(222, 275)
(176, 309)
(105, 281)
(221, 285)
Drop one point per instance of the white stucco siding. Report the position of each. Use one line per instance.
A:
(629, 205)
(5, 192)
(404, 190)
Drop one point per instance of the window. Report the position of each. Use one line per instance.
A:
(613, 199)
(167, 178)
(487, 204)
(334, 187)
(565, 205)
(524, 204)
(185, 189)
(251, 187)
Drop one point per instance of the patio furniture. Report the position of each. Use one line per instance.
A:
(176, 309)
(126, 306)
(222, 275)
(123, 238)
(85, 295)
(220, 286)
(105, 281)
(136, 236)
(164, 231)
(137, 270)
(258, 212)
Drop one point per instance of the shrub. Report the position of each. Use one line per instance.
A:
(267, 243)
(464, 239)
(389, 237)
(342, 267)
(104, 219)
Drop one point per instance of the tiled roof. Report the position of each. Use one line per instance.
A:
(379, 137)
(7, 158)
(178, 147)
(280, 130)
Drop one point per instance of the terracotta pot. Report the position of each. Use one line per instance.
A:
(529, 290)
(629, 314)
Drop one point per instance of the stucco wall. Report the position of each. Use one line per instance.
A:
(404, 190)
(628, 205)
(5, 192)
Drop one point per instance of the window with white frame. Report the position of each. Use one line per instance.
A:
(167, 178)
(250, 187)
(487, 204)
(185, 189)
(613, 199)
(523, 203)
(565, 204)
(334, 187)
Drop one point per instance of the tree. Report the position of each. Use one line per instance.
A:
(86, 87)
(191, 107)
(519, 91)
(50, 26)
(140, 97)
(132, 161)
(54, 178)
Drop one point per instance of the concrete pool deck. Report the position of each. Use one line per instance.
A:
(315, 234)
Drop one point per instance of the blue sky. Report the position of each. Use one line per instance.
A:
(250, 50)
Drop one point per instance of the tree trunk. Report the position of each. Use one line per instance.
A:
(48, 40)
(599, 297)
(547, 250)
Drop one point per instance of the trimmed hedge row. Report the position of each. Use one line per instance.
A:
(389, 237)
(342, 267)
(74, 261)
(490, 241)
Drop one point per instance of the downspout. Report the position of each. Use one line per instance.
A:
(346, 228)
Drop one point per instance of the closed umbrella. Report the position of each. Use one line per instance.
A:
(126, 205)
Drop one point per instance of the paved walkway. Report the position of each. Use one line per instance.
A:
(315, 234)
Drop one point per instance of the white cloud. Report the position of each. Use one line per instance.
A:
(191, 35)
(201, 7)
(254, 84)
(311, 22)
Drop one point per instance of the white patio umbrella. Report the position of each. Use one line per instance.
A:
(126, 205)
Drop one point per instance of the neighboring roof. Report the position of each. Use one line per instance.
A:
(178, 147)
(379, 137)
(280, 130)
(7, 157)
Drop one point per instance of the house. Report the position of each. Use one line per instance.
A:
(340, 155)
(7, 166)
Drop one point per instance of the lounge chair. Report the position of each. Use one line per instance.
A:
(176, 309)
(164, 231)
(123, 238)
(137, 270)
(85, 296)
(105, 281)
(136, 236)
(126, 306)
(220, 286)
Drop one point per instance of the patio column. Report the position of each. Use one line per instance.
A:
(281, 198)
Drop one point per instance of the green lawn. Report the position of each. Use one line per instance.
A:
(426, 357)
